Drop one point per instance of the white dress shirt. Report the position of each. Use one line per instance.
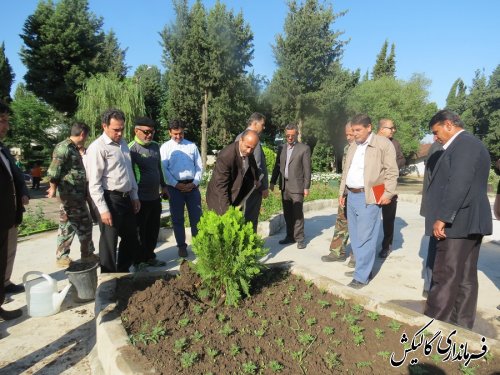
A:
(356, 174)
(109, 167)
(447, 144)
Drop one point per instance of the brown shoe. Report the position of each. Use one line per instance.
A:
(332, 257)
(64, 262)
(9, 315)
(92, 258)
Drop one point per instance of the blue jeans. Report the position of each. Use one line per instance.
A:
(179, 200)
(364, 224)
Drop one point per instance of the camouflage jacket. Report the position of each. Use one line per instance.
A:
(67, 170)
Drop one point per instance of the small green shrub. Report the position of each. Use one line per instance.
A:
(228, 253)
(35, 222)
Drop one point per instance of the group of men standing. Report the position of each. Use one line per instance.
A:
(127, 181)
(455, 205)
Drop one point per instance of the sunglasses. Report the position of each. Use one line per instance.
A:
(146, 132)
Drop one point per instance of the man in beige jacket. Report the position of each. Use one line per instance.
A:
(370, 161)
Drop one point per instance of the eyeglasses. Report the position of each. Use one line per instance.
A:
(146, 132)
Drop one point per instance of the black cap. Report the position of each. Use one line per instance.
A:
(145, 121)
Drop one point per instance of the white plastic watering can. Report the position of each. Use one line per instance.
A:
(42, 297)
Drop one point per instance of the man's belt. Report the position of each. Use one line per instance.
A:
(185, 181)
(356, 190)
(118, 193)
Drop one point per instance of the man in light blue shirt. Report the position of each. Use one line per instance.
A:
(182, 168)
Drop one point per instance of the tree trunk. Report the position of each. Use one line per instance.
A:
(204, 122)
(300, 125)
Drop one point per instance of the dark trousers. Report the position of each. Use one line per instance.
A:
(125, 227)
(148, 221)
(454, 287)
(252, 208)
(4, 242)
(36, 182)
(294, 214)
(388, 217)
(178, 200)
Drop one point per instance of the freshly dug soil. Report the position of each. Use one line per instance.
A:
(287, 326)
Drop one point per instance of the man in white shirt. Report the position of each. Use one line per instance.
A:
(113, 190)
(370, 161)
(182, 168)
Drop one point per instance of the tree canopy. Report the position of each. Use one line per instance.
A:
(63, 46)
(6, 74)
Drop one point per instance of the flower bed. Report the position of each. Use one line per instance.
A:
(286, 326)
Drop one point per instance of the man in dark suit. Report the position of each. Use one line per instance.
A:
(257, 122)
(293, 164)
(235, 174)
(458, 215)
(14, 196)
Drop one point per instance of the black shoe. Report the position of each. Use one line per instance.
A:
(333, 258)
(352, 263)
(183, 253)
(9, 315)
(301, 245)
(356, 284)
(384, 253)
(286, 241)
(14, 288)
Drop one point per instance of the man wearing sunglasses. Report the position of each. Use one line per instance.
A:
(146, 164)
(386, 128)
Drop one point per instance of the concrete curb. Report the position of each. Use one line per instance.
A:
(112, 342)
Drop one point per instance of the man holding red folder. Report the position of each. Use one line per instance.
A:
(370, 164)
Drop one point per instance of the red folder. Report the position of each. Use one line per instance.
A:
(378, 191)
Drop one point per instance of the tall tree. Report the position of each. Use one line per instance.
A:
(63, 43)
(304, 54)
(385, 66)
(456, 99)
(148, 77)
(111, 58)
(6, 75)
(108, 91)
(475, 115)
(206, 55)
(404, 102)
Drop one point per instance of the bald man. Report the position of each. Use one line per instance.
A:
(235, 174)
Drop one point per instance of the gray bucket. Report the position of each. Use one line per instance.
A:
(83, 280)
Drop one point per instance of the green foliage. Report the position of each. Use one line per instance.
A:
(322, 157)
(306, 338)
(235, 350)
(188, 359)
(146, 336)
(102, 92)
(226, 330)
(468, 370)
(249, 367)
(228, 254)
(394, 325)
(384, 354)
(6, 74)
(64, 45)
(270, 158)
(197, 336)
(148, 77)
(206, 54)
(212, 352)
(180, 345)
(385, 66)
(275, 366)
(379, 333)
(405, 102)
(373, 315)
(332, 360)
(34, 222)
(311, 321)
(358, 309)
(328, 330)
(362, 364)
(31, 122)
(324, 304)
(183, 322)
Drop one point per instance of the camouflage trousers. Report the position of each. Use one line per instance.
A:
(340, 234)
(74, 218)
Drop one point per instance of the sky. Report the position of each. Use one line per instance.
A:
(441, 39)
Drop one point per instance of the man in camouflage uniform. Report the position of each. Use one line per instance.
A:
(67, 175)
(340, 233)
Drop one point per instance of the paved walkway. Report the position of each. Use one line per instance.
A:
(62, 343)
